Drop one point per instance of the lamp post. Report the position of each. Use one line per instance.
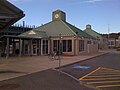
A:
(60, 51)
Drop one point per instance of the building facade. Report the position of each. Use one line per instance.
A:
(57, 35)
(113, 39)
(102, 41)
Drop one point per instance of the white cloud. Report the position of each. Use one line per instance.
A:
(86, 1)
(92, 1)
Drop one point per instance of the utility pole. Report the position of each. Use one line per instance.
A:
(108, 31)
(108, 34)
(60, 51)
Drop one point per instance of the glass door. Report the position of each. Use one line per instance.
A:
(34, 49)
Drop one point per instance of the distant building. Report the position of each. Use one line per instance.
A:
(102, 41)
(114, 39)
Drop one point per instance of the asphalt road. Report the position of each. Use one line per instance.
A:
(52, 80)
(110, 60)
(108, 64)
(45, 80)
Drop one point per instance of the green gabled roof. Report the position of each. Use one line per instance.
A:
(54, 28)
(93, 33)
(80, 32)
(34, 34)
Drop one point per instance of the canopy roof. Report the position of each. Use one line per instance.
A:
(9, 14)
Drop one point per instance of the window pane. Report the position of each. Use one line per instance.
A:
(64, 45)
(69, 45)
(81, 45)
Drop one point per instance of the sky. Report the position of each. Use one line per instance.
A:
(100, 14)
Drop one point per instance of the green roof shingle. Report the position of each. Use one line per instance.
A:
(54, 28)
(80, 32)
(93, 33)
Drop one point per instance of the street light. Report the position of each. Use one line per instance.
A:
(60, 51)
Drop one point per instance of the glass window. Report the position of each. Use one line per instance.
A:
(81, 45)
(69, 45)
(64, 46)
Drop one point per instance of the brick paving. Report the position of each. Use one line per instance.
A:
(20, 66)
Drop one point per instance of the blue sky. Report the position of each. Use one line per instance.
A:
(98, 13)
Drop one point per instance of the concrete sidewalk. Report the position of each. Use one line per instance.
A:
(19, 66)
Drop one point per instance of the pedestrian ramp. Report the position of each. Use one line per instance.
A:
(102, 79)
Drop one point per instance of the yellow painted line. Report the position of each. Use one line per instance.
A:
(102, 78)
(89, 73)
(102, 82)
(106, 86)
(110, 69)
(99, 74)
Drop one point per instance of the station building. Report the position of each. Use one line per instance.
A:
(57, 34)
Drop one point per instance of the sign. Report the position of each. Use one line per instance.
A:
(81, 67)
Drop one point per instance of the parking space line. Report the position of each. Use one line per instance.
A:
(110, 69)
(107, 73)
(102, 78)
(106, 86)
(89, 73)
(103, 82)
(95, 76)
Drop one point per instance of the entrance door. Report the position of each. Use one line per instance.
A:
(45, 47)
(34, 49)
(56, 45)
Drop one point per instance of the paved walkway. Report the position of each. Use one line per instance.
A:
(19, 66)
